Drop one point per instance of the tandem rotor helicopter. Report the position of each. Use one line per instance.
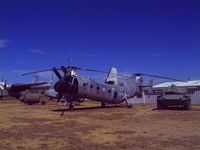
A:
(75, 87)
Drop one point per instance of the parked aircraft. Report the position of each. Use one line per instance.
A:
(74, 86)
(21, 91)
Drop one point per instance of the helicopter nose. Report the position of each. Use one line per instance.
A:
(67, 85)
(60, 87)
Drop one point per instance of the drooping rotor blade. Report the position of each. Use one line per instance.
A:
(36, 72)
(156, 76)
(93, 70)
(64, 69)
(55, 70)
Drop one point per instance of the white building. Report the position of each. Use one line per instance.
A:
(193, 88)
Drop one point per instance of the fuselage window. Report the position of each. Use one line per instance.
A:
(115, 95)
(91, 86)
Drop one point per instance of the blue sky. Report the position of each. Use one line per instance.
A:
(148, 36)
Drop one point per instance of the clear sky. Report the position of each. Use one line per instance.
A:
(149, 36)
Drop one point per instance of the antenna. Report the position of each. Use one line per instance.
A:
(69, 62)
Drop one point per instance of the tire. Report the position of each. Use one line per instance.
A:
(129, 106)
(159, 105)
(187, 105)
(165, 106)
(43, 102)
(71, 107)
(30, 103)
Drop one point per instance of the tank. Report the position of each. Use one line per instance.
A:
(174, 96)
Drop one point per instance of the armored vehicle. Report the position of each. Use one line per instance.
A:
(174, 96)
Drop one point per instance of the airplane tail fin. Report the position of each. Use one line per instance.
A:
(51, 81)
(35, 79)
(112, 77)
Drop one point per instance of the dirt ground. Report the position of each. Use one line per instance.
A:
(91, 127)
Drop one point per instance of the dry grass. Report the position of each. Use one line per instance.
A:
(39, 127)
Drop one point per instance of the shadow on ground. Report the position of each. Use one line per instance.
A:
(86, 108)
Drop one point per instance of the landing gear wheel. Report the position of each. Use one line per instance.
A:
(103, 104)
(129, 106)
(71, 107)
(187, 106)
(30, 103)
(43, 102)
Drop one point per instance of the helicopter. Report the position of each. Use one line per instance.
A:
(74, 86)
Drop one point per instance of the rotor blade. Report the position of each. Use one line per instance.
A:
(149, 75)
(64, 69)
(93, 70)
(55, 70)
(37, 72)
(117, 74)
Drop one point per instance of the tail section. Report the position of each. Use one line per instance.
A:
(112, 77)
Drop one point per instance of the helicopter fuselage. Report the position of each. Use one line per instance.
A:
(80, 86)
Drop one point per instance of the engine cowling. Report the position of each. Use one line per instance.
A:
(67, 86)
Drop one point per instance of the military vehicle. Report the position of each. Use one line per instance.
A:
(174, 96)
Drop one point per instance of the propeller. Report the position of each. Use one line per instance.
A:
(64, 69)
(55, 70)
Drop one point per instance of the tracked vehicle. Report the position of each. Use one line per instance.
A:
(174, 96)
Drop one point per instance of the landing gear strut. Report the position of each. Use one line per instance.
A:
(103, 104)
(71, 106)
(127, 104)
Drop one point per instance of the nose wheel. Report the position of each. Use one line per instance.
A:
(68, 101)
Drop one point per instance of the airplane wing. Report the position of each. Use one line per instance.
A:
(27, 85)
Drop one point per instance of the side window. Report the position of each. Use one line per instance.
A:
(115, 95)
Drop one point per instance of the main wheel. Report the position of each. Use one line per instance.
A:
(43, 102)
(187, 105)
(129, 106)
(71, 107)
(30, 103)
